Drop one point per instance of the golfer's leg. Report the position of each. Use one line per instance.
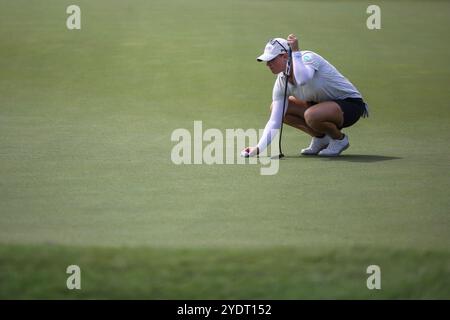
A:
(299, 123)
(326, 118)
(295, 116)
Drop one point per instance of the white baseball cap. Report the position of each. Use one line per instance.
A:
(273, 48)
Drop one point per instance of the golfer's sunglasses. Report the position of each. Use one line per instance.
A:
(274, 41)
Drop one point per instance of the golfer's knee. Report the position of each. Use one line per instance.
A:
(311, 117)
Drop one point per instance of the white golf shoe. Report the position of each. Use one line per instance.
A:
(335, 147)
(316, 145)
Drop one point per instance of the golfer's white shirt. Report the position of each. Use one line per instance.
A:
(326, 84)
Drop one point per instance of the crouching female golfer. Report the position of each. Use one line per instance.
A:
(320, 100)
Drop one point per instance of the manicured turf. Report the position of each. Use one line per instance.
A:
(85, 172)
(275, 273)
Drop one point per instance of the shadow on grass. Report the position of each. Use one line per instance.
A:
(348, 157)
(361, 158)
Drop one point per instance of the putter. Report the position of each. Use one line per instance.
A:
(287, 73)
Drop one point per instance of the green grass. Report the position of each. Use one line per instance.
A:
(86, 177)
(276, 273)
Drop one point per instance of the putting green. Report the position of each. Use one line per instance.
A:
(86, 118)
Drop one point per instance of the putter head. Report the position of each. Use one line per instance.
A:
(280, 156)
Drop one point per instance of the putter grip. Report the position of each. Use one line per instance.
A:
(289, 62)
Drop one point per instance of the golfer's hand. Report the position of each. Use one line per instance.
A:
(249, 152)
(293, 42)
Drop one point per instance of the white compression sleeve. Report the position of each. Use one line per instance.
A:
(273, 125)
(302, 73)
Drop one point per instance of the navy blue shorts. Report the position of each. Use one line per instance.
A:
(353, 109)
